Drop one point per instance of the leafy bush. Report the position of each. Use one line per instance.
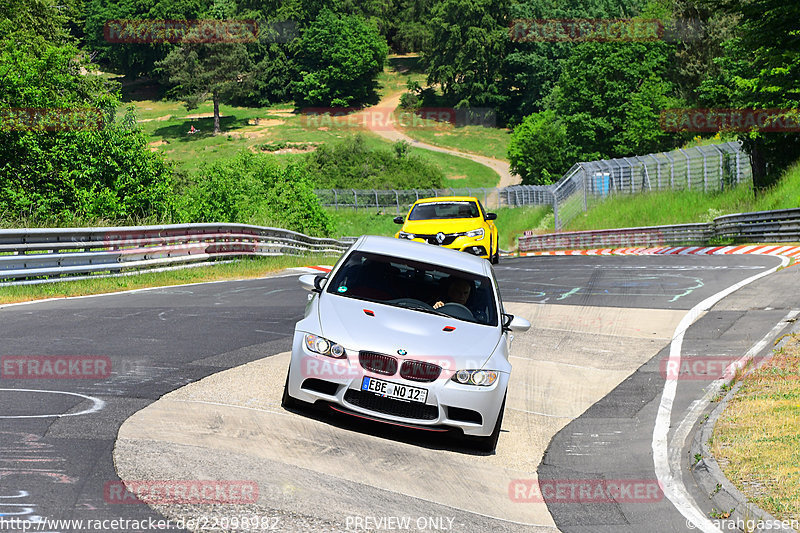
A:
(255, 189)
(78, 162)
(539, 150)
(351, 164)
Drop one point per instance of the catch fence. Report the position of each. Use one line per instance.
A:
(709, 168)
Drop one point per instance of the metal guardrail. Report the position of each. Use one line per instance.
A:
(55, 254)
(771, 226)
(761, 226)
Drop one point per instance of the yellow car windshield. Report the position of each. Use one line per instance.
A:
(437, 210)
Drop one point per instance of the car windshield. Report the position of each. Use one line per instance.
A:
(415, 285)
(449, 209)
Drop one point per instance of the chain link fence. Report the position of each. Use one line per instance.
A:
(710, 168)
(400, 200)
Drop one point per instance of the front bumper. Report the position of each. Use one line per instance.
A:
(478, 247)
(316, 378)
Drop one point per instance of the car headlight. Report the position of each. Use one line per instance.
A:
(405, 235)
(481, 378)
(323, 346)
(475, 234)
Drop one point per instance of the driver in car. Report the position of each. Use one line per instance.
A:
(458, 291)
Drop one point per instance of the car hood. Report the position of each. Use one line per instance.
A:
(421, 334)
(448, 225)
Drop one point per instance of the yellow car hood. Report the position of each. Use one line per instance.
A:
(446, 225)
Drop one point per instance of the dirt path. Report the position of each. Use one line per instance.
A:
(387, 129)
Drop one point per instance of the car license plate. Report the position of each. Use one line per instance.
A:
(396, 391)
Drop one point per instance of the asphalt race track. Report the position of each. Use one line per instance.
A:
(196, 374)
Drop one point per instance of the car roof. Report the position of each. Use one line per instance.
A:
(447, 199)
(419, 251)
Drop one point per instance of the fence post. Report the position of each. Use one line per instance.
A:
(585, 203)
(355, 200)
(335, 200)
(705, 170)
(614, 185)
(377, 207)
(688, 169)
(555, 212)
(721, 170)
(397, 200)
(671, 170)
(658, 170)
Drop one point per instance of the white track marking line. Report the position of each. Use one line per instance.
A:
(97, 404)
(698, 406)
(541, 414)
(670, 480)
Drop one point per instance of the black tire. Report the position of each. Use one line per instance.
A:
(488, 444)
(496, 256)
(288, 402)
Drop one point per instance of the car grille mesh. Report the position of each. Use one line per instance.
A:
(389, 406)
(420, 371)
(448, 239)
(378, 363)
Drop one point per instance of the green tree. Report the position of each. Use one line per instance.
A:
(339, 58)
(469, 40)
(197, 71)
(761, 70)
(412, 32)
(78, 160)
(605, 88)
(531, 68)
(539, 150)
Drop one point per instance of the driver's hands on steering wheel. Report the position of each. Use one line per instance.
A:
(438, 304)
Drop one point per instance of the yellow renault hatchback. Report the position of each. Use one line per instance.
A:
(457, 222)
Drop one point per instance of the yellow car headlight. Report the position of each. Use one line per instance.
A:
(476, 234)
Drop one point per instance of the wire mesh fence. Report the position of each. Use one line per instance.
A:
(399, 200)
(709, 168)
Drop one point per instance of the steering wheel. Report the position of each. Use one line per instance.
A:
(457, 310)
(410, 301)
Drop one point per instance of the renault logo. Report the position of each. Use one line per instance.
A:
(401, 352)
(440, 237)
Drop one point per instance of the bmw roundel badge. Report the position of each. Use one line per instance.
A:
(401, 352)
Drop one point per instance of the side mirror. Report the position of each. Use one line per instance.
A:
(312, 282)
(398, 220)
(515, 323)
(491, 216)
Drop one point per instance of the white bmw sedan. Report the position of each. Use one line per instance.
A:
(408, 334)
